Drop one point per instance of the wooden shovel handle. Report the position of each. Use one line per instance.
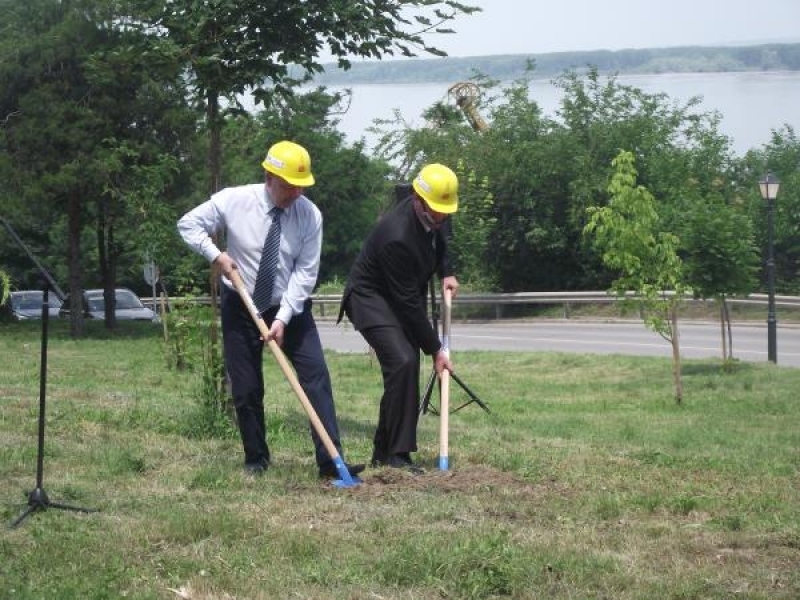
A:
(444, 389)
(288, 372)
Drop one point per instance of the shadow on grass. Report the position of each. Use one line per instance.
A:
(58, 329)
(715, 367)
(297, 420)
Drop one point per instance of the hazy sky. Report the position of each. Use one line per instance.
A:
(536, 26)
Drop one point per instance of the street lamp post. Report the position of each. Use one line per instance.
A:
(768, 186)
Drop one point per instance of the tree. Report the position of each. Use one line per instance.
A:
(678, 149)
(698, 193)
(230, 47)
(781, 156)
(627, 232)
(719, 255)
(146, 141)
(5, 287)
(48, 127)
(543, 173)
(86, 104)
(528, 166)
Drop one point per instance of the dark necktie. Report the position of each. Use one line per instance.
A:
(262, 294)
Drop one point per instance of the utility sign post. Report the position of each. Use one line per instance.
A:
(151, 276)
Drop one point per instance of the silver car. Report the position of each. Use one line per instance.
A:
(27, 304)
(128, 306)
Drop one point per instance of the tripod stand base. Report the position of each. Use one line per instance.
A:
(425, 403)
(38, 500)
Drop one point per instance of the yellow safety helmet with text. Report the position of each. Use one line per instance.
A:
(290, 162)
(437, 185)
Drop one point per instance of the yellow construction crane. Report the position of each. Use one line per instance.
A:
(466, 95)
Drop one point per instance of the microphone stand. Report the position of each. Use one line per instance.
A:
(37, 498)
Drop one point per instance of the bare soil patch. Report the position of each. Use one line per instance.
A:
(469, 480)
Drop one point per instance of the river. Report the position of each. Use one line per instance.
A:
(751, 104)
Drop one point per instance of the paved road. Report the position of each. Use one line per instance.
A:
(698, 340)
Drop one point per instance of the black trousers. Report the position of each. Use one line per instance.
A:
(400, 363)
(244, 352)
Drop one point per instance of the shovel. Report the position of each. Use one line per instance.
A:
(345, 479)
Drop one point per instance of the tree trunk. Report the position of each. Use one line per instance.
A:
(215, 170)
(76, 327)
(730, 331)
(722, 327)
(215, 140)
(676, 356)
(104, 236)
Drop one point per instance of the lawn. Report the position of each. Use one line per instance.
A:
(585, 480)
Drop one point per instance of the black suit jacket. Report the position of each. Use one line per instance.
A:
(388, 282)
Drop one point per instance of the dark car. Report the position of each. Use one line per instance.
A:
(128, 306)
(27, 304)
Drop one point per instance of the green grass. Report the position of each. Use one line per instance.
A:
(586, 480)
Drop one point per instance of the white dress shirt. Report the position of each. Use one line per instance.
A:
(243, 214)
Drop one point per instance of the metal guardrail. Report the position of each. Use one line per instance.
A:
(329, 303)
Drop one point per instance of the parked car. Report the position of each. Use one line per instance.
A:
(128, 306)
(27, 304)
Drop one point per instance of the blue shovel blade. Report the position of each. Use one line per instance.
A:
(345, 479)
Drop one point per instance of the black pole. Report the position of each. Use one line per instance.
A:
(42, 387)
(772, 323)
(37, 498)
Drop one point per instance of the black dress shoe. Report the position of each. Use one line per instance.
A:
(403, 461)
(257, 468)
(329, 470)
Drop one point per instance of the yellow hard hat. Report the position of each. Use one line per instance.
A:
(437, 185)
(290, 162)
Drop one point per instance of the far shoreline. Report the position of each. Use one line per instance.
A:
(768, 58)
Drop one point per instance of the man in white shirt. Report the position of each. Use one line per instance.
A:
(246, 214)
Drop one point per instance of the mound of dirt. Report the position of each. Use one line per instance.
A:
(476, 477)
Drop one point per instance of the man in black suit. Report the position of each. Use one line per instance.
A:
(385, 300)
